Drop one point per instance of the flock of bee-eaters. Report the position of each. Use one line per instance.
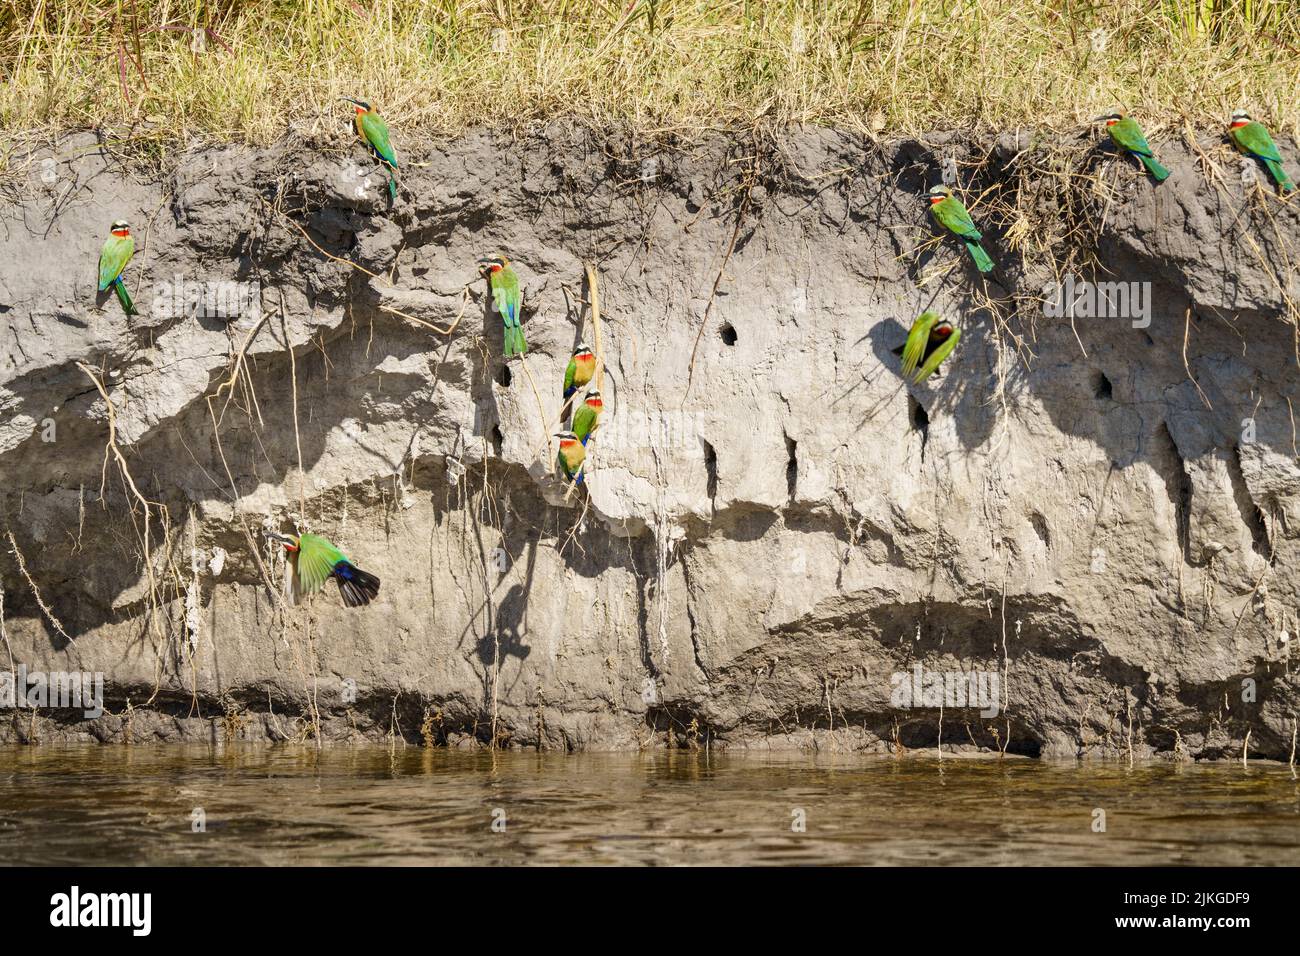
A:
(312, 559)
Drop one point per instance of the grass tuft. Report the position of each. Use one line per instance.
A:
(246, 69)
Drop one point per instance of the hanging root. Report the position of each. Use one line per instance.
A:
(36, 593)
(111, 448)
(750, 179)
(541, 409)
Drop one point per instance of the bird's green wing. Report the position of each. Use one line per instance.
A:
(584, 419)
(505, 292)
(954, 217)
(113, 258)
(1129, 135)
(569, 372)
(570, 468)
(917, 338)
(1254, 139)
(316, 560)
(376, 131)
(937, 356)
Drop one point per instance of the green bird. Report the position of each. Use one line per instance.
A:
(930, 341)
(582, 366)
(372, 128)
(572, 455)
(312, 559)
(585, 418)
(1252, 139)
(1127, 135)
(952, 215)
(506, 300)
(117, 252)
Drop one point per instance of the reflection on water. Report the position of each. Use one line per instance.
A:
(365, 805)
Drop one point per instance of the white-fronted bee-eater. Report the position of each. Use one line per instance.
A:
(312, 559)
(930, 341)
(507, 300)
(117, 252)
(1251, 138)
(1127, 135)
(950, 213)
(586, 417)
(571, 456)
(374, 132)
(582, 366)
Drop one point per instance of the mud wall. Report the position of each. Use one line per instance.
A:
(1104, 516)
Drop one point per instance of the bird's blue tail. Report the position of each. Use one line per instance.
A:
(357, 587)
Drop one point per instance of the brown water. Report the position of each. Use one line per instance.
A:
(365, 805)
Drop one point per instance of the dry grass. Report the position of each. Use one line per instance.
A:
(247, 69)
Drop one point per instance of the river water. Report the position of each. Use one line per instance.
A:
(261, 804)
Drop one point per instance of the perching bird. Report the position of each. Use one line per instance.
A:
(505, 297)
(1252, 139)
(952, 215)
(585, 418)
(372, 128)
(582, 366)
(1127, 135)
(930, 341)
(312, 559)
(572, 455)
(117, 252)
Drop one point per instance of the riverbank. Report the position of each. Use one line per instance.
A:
(1095, 520)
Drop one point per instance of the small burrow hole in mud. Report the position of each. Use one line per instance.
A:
(920, 420)
(504, 378)
(1101, 387)
(710, 468)
(497, 439)
(728, 333)
(791, 466)
(1041, 529)
(920, 417)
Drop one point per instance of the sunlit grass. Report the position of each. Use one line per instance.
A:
(444, 65)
